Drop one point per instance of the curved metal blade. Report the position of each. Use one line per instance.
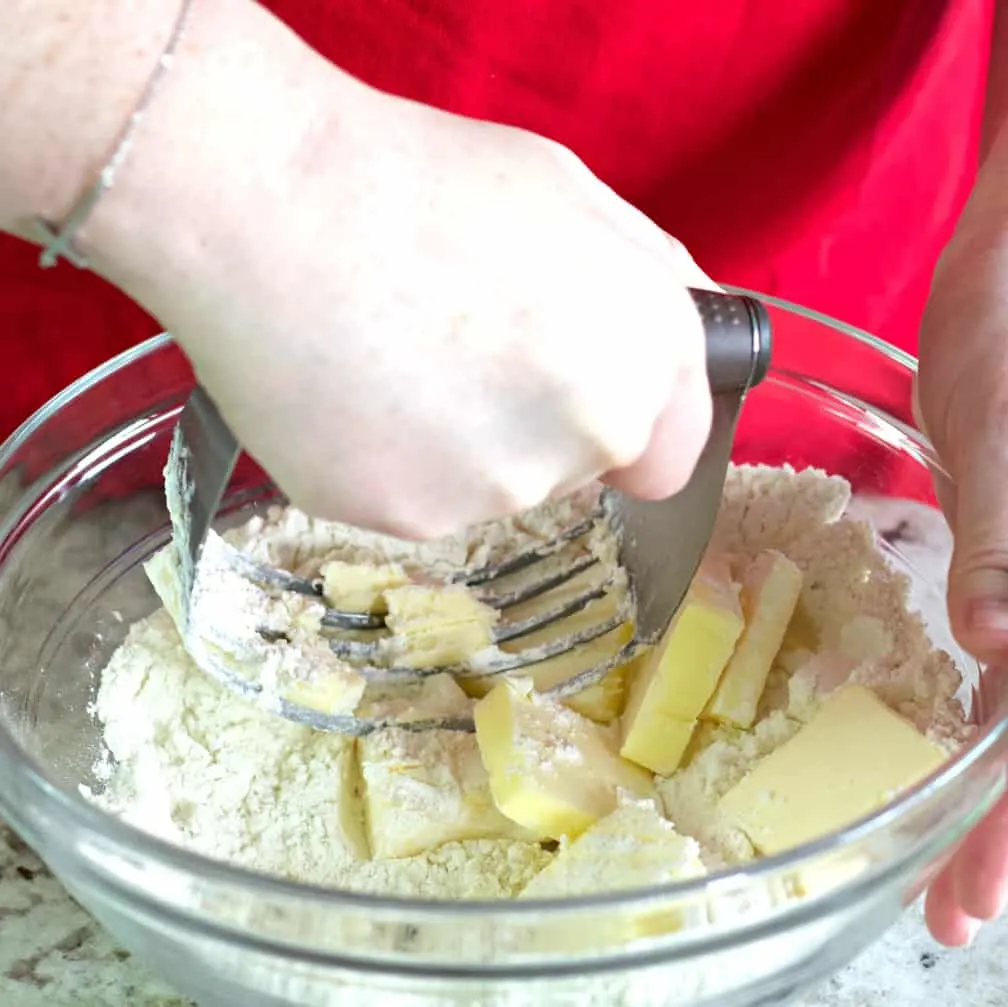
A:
(663, 541)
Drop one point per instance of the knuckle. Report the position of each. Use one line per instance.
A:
(564, 156)
(521, 494)
(627, 435)
(686, 268)
(626, 451)
(678, 250)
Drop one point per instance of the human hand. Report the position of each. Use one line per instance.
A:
(962, 403)
(416, 321)
(454, 326)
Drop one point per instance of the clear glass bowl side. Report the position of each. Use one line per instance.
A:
(83, 489)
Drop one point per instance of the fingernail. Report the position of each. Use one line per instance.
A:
(987, 591)
(972, 929)
(989, 615)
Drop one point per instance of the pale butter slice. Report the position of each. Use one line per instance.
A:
(770, 589)
(551, 770)
(337, 693)
(601, 701)
(424, 789)
(360, 587)
(633, 847)
(852, 758)
(673, 682)
(437, 626)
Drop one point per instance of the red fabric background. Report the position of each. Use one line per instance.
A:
(818, 151)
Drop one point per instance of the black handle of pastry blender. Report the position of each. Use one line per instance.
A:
(739, 338)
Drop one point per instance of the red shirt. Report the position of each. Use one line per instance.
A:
(819, 151)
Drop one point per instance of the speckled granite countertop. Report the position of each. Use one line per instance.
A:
(53, 954)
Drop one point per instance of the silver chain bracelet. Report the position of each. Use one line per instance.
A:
(58, 242)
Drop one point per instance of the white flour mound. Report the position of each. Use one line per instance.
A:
(853, 606)
(193, 764)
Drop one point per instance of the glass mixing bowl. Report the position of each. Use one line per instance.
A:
(81, 482)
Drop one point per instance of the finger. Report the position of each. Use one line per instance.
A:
(948, 924)
(974, 450)
(943, 486)
(963, 397)
(687, 271)
(979, 869)
(978, 576)
(681, 430)
(677, 439)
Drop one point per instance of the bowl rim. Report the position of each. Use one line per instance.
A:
(175, 857)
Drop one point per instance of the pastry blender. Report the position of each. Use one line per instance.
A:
(661, 544)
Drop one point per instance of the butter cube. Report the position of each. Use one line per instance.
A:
(437, 627)
(424, 789)
(815, 678)
(551, 770)
(677, 677)
(633, 847)
(603, 701)
(349, 809)
(336, 692)
(360, 587)
(852, 758)
(770, 588)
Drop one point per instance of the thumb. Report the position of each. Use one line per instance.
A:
(962, 397)
(973, 445)
(978, 577)
(683, 426)
(944, 488)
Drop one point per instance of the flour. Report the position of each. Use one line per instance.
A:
(852, 624)
(269, 645)
(424, 789)
(410, 814)
(199, 767)
(291, 540)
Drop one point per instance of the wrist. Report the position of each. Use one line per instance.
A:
(219, 153)
(70, 75)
